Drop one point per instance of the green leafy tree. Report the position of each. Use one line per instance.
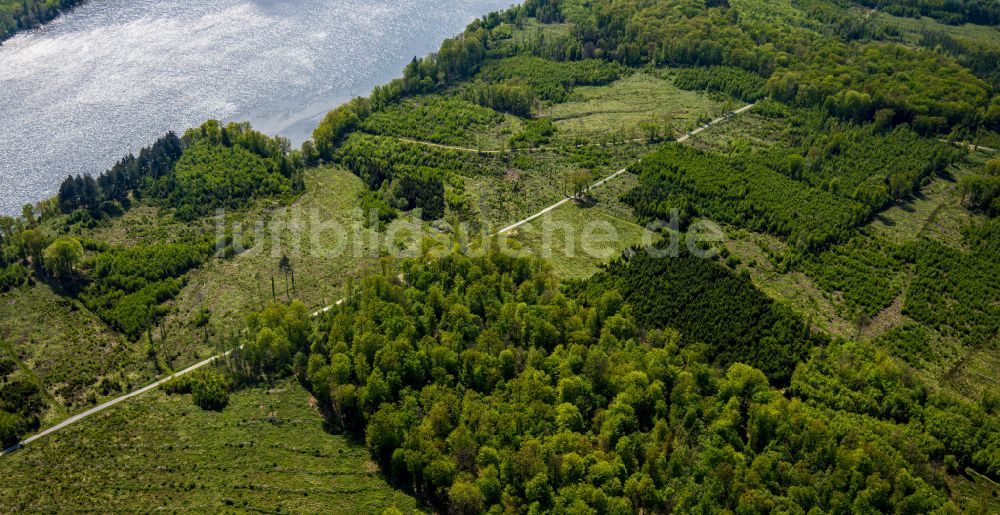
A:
(62, 257)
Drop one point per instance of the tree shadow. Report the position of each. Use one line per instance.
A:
(585, 201)
(888, 222)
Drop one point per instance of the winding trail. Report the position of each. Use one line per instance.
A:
(152, 386)
(681, 139)
(970, 146)
(512, 150)
(101, 407)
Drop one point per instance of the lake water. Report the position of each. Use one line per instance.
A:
(111, 76)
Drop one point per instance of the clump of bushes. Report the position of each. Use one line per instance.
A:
(209, 389)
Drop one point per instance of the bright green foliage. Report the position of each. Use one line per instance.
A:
(858, 378)
(909, 342)
(210, 393)
(128, 285)
(734, 82)
(517, 99)
(982, 192)
(870, 163)
(276, 335)
(376, 159)
(535, 134)
(111, 191)
(209, 389)
(337, 124)
(973, 52)
(854, 81)
(212, 166)
(550, 80)
(224, 167)
(825, 177)
(984, 239)
(438, 119)
(376, 211)
(865, 271)
(953, 291)
(18, 15)
(807, 51)
(761, 37)
(62, 256)
(746, 194)
(413, 174)
(479, 384)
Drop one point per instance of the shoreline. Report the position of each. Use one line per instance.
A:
(4, 36)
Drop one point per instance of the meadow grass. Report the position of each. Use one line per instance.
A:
(912, 28)
(758, 254)
(72, 355)
(577, 237)
(595, 113)
(267, 451)
(525, 183)
(326, 239)
(935, 212)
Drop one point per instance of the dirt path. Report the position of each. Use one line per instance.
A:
(101, 407)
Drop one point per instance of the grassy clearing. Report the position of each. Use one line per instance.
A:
(912, 28)
(750, 131)
(324, 236)
(73, 355)
(758, 253)
(975, 492)
(525, 183)
(936, 212)
(72, 351)
(577, 237)
(974, 371)
(617, 110)
(267, 451)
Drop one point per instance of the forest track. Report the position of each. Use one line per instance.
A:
(514, 150)
(152, 386)
(156, 384)
(597, 184)
(971, 146)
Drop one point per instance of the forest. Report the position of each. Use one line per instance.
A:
(483, 385)
(402, 175)
(688, 34)
(682, 292)
(210, 167)
(445, 120)
(735, 82)
(828, 355)
(693, 183)
(982, 12)
(127, 285)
